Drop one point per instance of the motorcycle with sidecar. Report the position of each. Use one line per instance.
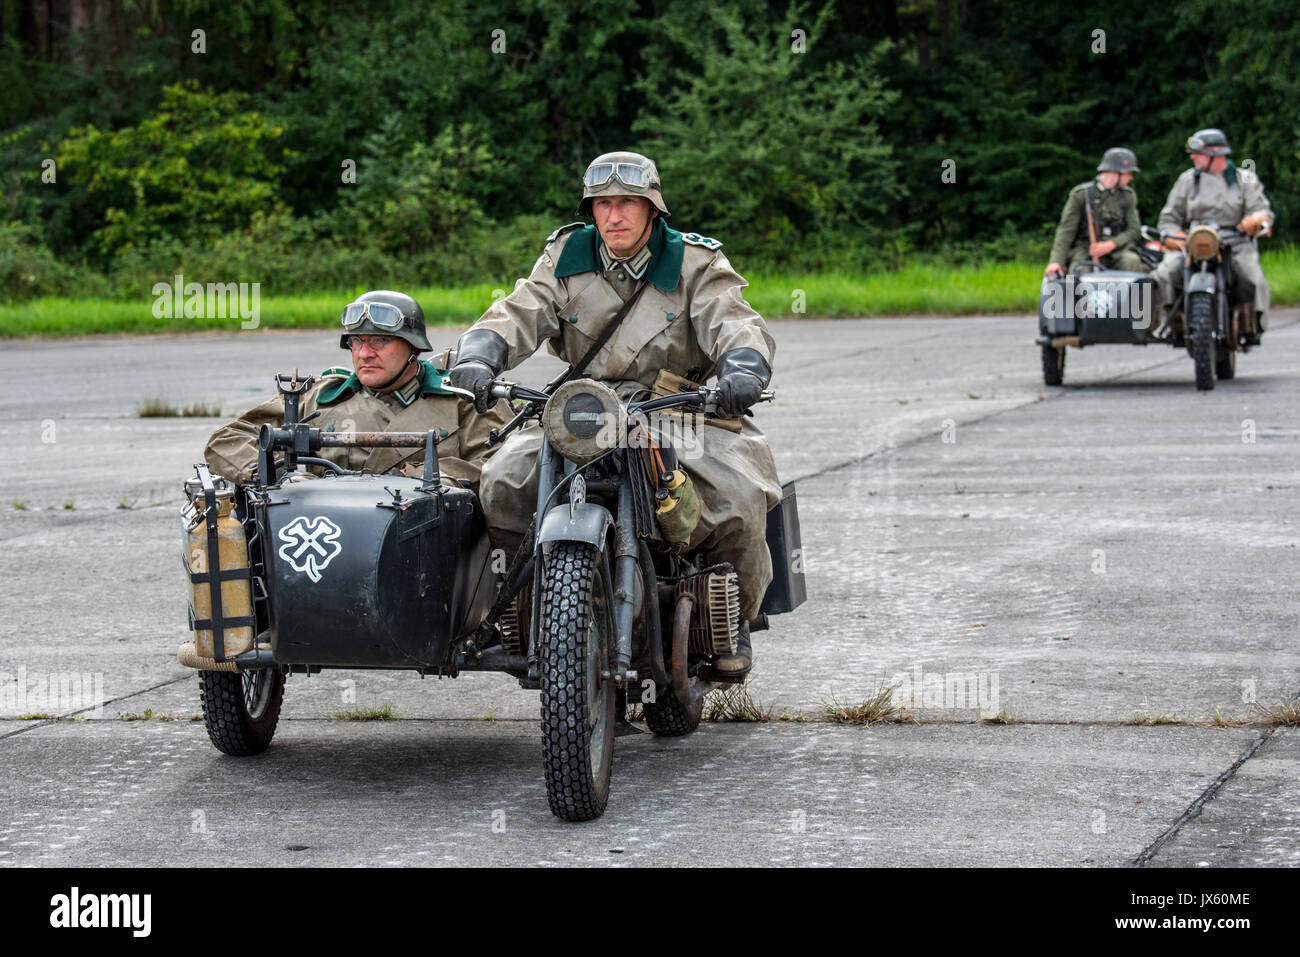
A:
(1103, 306)
(602, 603)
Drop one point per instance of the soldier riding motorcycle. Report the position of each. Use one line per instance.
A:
(1213, 289)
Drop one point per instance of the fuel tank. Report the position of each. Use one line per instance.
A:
(370, 571)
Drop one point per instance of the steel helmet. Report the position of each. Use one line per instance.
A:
(1213, 142)
(1118, 160)
(621, 174)
(382, 312)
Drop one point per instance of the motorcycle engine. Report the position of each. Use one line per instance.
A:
(715, 620)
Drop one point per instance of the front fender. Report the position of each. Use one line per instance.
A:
(585, 522)
(1202, 282)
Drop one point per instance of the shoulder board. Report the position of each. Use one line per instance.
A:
(562, 230)
(335, 371)
(695, 239)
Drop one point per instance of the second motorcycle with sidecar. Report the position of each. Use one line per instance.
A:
(1212, 320)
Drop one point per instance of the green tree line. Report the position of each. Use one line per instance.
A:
(312, 144)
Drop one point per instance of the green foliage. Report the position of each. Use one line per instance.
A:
(754, 145)
(28, 268)
(469, 126)
(194, 169)
(405, 202)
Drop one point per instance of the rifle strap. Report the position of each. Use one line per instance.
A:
(1123, 204)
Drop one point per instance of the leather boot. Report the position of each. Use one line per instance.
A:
(736, 665)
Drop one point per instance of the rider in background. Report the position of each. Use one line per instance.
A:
(1115, 212)
(1215, 190)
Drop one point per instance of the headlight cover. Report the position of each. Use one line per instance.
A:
(1203, 242)
(583, 419)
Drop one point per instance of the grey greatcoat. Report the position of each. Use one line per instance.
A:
(1226, 199)
(692, 312)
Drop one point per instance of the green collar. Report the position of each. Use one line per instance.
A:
(430, 384)
(666, 253)
(1230, 173)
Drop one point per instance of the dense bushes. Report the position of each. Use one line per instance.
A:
(324, 144)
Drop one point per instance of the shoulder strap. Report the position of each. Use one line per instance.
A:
(579, 367)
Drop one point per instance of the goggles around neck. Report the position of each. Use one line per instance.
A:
(629, 174)
(381, 316)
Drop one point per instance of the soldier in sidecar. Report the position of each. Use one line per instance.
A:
(1100, 223)
(388, 389)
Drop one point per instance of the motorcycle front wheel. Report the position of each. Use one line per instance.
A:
(577, 703)
(1200, 333)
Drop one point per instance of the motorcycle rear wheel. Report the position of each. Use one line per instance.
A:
(667, 717)
(1053, 365)
(578, 716)
(1225, 366)
(241, 709)
(1200, 332)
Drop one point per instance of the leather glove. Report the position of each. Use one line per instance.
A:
(737, 392)
(481, 354)
(1254, 223)
(474, 376)
(742, 374)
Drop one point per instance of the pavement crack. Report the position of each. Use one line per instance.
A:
(73, 714)
(1194, 810)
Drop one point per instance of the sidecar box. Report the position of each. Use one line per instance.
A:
(1108, 306)
(788, 589)
(371, 572)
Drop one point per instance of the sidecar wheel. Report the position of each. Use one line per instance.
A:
(1053, 365)
(577, 703)
(669, 718)
(241, 709)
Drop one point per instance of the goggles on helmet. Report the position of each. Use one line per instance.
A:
(381, 316)
(629, 174)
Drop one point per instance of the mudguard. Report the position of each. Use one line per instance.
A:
(1202, 282)
(584, 522)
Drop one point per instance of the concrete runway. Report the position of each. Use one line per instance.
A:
(1123, 546)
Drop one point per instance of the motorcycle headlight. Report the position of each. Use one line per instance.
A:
(584, 419)
(1203, 242)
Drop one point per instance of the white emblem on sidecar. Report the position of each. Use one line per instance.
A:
(310, 544)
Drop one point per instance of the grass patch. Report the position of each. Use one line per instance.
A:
(1284, 713)
(878, 708)
(1000, 718)
(1150, 718)
(383, 713)
(18, 505)
(37, 716)
(159, 408)
(148, 715)
(734, 703)
(69, 507)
